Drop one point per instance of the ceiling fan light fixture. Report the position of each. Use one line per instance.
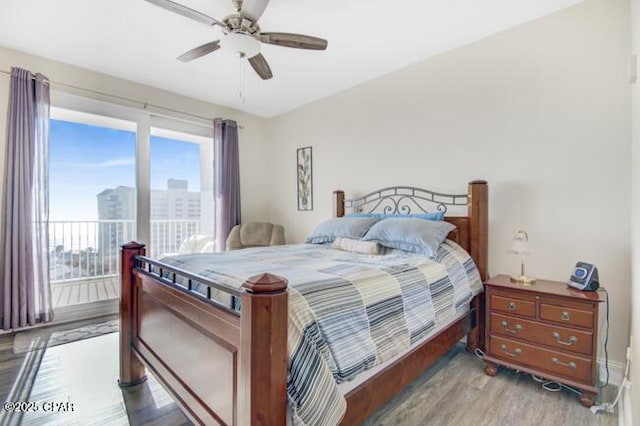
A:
(241, 44)
(242, 34)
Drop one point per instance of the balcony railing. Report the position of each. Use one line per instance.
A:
(90, 249)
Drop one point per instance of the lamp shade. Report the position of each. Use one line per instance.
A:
(520, 243)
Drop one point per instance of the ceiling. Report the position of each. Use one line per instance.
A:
(135, 40)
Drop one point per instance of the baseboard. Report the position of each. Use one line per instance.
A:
(86, 311)
(75, 313)
(616, 372)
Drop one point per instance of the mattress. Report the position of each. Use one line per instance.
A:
(348, 313)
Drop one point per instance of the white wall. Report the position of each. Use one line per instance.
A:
(252, 138)
(541, 111)
(635, 286)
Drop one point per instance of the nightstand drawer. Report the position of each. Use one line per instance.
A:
(570, 366)
(560, 338)
(512, 305)
(566, 316)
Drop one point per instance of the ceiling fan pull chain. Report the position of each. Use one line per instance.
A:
(242, 79)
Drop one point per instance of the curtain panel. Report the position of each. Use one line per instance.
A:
(24, 240)
(227, 185)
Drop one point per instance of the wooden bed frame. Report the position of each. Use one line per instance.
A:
(225, 367)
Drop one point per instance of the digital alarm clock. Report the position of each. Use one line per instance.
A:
(584, 277)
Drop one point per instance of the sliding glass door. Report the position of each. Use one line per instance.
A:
(116, 175)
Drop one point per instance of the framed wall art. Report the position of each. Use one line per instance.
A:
(305, 178)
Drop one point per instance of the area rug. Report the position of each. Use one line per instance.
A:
(26, 341)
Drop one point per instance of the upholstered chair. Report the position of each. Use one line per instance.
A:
(255, 234)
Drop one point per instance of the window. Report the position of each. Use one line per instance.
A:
(181, 172)
(92, 204)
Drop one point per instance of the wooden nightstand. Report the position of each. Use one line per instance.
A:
(547, 329)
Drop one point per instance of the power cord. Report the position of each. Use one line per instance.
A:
(479, 353)
(553, 386)
(607, 406)
(606, 338)
(610, 406)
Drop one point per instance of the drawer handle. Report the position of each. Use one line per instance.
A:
(511, 306)
(557, 361)
(517, 327)
(515, 353)
(565, 316)
(571, 341)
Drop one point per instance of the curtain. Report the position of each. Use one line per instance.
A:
(24, 238)
(225, 135)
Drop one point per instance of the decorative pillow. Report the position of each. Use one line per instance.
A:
(426, 216)
(347, 227)
(356, 246)
(195, 244)
(412, 235)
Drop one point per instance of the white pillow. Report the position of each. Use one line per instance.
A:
(356, 246)
(194, 244)
(209, 247)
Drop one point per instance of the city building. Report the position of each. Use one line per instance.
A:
(175, 215)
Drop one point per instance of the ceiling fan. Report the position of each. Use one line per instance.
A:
(242, 34)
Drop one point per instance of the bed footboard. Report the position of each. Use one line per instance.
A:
(220, 366)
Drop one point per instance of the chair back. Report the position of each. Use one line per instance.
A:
(255, 234)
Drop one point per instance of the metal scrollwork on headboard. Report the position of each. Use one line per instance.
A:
(404, 200)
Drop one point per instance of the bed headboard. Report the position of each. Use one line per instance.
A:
(471, 230)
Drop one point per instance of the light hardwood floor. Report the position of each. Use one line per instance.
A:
(453, 392)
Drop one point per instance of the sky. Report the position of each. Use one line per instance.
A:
(84, 160)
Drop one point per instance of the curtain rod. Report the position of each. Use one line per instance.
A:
(145, 105)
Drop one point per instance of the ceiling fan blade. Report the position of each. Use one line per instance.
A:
(186, 12)
(253, 8)
(260, 66)
(297, 41)
(199, 51)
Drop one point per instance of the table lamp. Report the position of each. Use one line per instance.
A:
(520, 246)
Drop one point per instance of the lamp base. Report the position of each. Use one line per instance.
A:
(522, 279)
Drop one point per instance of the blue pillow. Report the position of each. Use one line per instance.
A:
(426, 216)
(342, 227)
(411, 234)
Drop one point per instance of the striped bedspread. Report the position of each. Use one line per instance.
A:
(347, 312)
